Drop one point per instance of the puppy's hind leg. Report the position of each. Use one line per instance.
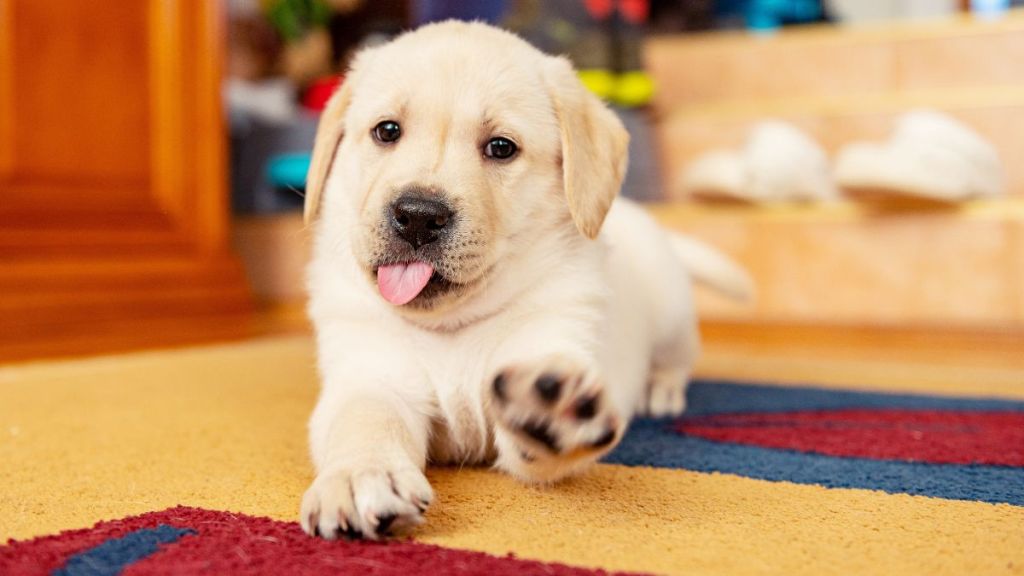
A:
(671, 366)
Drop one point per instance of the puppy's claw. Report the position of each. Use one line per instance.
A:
(311, 526)
(384, 524)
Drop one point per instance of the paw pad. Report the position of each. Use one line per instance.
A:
(541, 432)
(554, 409)
(586, 408)
(498, 387)
(549, 388)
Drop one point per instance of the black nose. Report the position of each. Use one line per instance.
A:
(419, 220)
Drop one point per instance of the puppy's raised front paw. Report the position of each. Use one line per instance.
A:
(369, 502)
(555, 409)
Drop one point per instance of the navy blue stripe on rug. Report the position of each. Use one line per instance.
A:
(655, 443)
(113, 556)
(719, 397)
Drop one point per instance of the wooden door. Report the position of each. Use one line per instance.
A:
(113, 195)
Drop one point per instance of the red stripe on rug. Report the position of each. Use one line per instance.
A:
(48, 553)
(933, 436)
(234, 544)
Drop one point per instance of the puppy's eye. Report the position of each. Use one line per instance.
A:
(500, 148)
(387, 131)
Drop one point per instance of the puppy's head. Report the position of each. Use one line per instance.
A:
(451, 145)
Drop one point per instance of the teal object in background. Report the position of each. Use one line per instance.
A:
(288, 170)
(766, 16)
(990, 8)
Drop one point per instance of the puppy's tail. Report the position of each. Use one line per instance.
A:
(711, 267)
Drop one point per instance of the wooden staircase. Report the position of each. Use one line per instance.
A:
(855, 263)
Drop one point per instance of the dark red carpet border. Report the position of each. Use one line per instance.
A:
(229, 544)
(933, 436)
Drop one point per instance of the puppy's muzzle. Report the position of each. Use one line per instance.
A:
(419, 220)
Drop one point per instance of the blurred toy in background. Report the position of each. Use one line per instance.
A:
(761, 16)
(929, 156)
(862, 11)
(285, 60)
(270, 53)
(254, 87)
(990, 8)
(307, 42)
(254, 47)
(603, 38)
(777, 163)
(770, 15)
(766, 16)
(279, 50)
(612, 67)
(302, 24)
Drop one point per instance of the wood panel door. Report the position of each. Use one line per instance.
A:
(113, 195)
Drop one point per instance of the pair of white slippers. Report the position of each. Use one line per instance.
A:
(929, 156)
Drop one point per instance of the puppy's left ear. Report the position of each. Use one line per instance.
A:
(595, 147)
(328, 137)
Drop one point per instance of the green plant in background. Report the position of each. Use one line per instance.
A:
(303, 27)
(293, 19)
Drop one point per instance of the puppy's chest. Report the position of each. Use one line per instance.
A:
(461, 432)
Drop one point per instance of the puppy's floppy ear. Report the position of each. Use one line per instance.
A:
(595, 147)
(328, 137)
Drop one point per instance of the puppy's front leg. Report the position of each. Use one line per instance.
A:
(369, 443)
(552, 412)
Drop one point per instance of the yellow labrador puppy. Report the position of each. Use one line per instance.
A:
(469, 305)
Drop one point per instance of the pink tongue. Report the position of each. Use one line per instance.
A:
(400, 283)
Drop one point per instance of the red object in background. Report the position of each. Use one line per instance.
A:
(599, 9)
(633, 11)
(933, 436)
(319, 92)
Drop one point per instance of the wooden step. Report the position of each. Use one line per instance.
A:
(831, 61)
(74, 305)
(851, 263)
(996, 113)
(858, 264)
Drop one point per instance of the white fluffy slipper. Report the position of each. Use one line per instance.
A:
(929, 155)
(778, 163)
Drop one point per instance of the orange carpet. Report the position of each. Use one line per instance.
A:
(222, 428)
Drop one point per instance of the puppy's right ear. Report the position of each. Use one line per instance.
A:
(328, 137)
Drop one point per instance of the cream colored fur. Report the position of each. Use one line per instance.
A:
(534, 294)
